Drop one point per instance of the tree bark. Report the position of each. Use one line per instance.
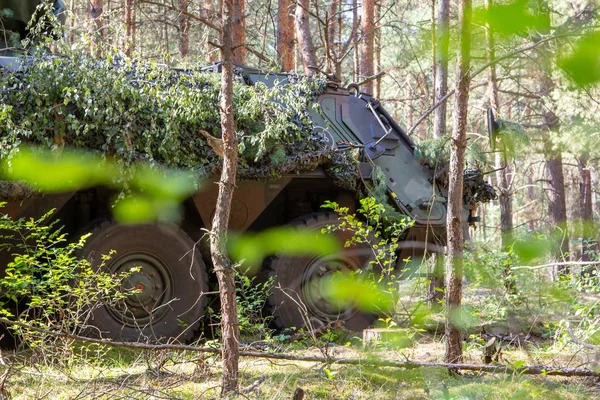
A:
(307, 48)
(129, 41)
(183, 23)
(96, 26)
(441, 66)
(454, 260)
(502, 168)
(377, 45)
(208, 12)
(285, 36)
(440, 75)
(588, 244)
(239, 32)
(367, 49)
(557, 209)
(218, 240)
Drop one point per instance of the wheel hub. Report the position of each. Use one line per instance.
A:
(315, 282)
(149, 287)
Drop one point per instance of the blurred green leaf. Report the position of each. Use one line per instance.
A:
(139, 209)
(583, 65)
(462, 318)
(511, 18)
(359, 292)
(50, 172)
(530, 249)
(161, 183)
(253, 248)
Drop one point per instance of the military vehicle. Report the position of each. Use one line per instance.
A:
(174, 271)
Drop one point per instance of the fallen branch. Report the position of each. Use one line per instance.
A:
(557, 264)
(503, 369)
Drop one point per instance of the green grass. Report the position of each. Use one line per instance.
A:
(117, 373)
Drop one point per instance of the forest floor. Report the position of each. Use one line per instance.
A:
(90, 372)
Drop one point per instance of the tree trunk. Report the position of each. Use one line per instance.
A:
(218, 239)
(239, 32)
(356, 57)
(183, 23)
(587, 214)
(502, 167)
(96, 26)
(557, 208)
(454, 261)
(377, 45)
(439, 129)
(129, 42)
(208, 12)
(367, 53)
(307, 48)
(285, 36)
(441, 66)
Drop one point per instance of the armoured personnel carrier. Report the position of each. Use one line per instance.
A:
(172, 280)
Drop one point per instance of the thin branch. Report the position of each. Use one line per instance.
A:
(557, 264)
(186, 13)
(504, 369)
(479, 71)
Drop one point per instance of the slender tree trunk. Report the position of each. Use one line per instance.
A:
(96, 26)
(208, 12)
(587, 214)
(239, 31)
(557, 208)
(440, 73)
(71, 22)
(531, 225)
(307, 48)
(377, 90)
(368, 30)
(285, 36)
(355, 43)
(129, 41)
(183, 23)
(423, 97)
(218, 240)
(503, 169)
(454, 260)
(441, 66)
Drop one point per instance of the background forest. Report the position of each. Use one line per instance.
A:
(532, 258)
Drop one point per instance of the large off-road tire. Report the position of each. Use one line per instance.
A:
(171, 282)
(297, 295)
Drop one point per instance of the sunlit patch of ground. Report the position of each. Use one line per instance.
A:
(171, 375)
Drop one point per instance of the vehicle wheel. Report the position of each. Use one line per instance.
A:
(297, 295)
(171, 281)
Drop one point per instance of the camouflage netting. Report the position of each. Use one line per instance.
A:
(436, 154)
(132, 111)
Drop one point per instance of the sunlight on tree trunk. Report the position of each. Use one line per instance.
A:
(218, 240)
(285, 36)
(96, 26)
(239, 31)
(503, 174)
(183, 24)
(366, 56)
(441, 66)
(307, 48)
(454, 258)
